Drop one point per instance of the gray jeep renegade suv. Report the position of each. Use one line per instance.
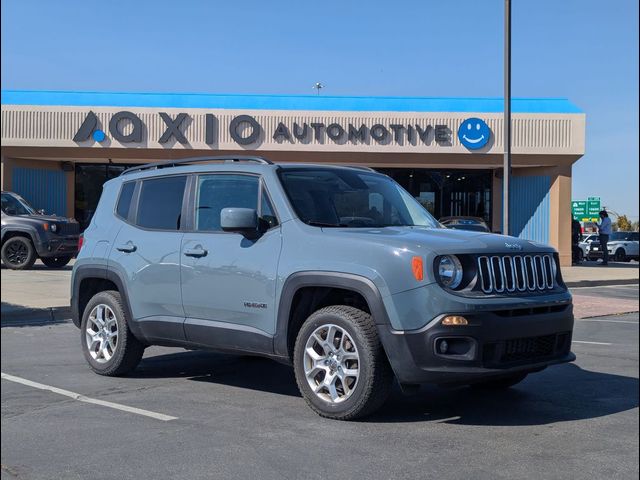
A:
(336, 270)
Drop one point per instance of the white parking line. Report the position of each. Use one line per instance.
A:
(591, 343)
(605, 320)
(631, 284)
(82, 398)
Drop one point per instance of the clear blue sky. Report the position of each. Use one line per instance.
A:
(585, 50)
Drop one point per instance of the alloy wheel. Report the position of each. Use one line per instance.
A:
(101, 333)
(331, 363)
(17, 253)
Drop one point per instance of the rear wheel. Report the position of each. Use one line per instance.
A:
(55, 262)
(620, 255)
(18, 253)
(340, 366)
(107, 343)
(500, 383)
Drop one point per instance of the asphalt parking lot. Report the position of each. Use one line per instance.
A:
(206, 415)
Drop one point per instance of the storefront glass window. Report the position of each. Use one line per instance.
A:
(88, 187)
(446, 193)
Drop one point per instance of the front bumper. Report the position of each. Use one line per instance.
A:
(58, 246)
(495, 344)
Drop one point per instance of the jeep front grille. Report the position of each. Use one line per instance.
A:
(516, 273)
(69, 228)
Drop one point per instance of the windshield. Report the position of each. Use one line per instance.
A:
(349, 198)
(15, 205)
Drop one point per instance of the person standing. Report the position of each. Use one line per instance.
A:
(604, 229)
(576, 231)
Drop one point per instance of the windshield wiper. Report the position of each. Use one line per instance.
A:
(323, 224)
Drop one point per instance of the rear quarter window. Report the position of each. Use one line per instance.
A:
(124, 200)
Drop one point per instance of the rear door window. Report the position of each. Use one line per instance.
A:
(160, 204)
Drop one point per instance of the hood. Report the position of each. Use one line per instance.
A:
(439, 240)
(38, 219)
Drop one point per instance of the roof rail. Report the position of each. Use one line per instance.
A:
(362, 167)
(186, 161)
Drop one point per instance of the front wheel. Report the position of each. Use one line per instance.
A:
(107, 343)
(55, 262)
(500, 383)
(340, 366)
(18, 253)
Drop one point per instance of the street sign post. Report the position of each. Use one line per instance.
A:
(586, 210)
(593, 208)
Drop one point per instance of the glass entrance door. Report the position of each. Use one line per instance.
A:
(447, 193)
(88, 187)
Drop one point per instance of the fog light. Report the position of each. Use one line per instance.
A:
(444, 346)
(454, 320)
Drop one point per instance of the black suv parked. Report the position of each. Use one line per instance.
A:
(28, 234)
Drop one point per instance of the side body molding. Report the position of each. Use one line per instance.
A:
(346, 281)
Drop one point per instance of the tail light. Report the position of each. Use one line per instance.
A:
(80, 242)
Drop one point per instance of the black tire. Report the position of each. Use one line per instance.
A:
(18, 253)
(375, 376)
(500, 383)
(580, 256)
(620, 255)
(128, 351)
(55, 262)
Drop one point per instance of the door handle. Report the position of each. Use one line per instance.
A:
(127, 247)
(196, 252)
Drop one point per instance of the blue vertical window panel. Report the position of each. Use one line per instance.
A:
(530, 213)
(42, 188)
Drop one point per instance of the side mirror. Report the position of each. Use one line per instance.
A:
(41, 211)
(240, 220)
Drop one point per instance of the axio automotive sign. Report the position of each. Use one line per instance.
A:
(127, 127)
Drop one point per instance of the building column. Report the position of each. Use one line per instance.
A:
(560, 221)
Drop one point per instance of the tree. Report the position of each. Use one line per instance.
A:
(623, 224)
(635, 226)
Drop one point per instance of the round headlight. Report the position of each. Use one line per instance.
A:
(450, 271)
(54, 227)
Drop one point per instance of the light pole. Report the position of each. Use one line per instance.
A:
(507, 118)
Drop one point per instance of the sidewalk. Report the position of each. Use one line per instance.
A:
(591, 274)
(39, 294)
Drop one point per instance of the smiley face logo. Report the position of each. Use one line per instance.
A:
(474, 133)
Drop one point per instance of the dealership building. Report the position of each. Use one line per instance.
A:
(58, 148)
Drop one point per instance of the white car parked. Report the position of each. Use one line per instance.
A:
(622, 246)
(585, 244)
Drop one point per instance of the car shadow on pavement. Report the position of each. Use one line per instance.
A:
(248, 372)
(558, 394)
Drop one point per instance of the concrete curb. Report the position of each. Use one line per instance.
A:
(35, 316)
(602, 283)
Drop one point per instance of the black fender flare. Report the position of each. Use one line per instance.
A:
(101, 272)
(31, 232)
(346, 281)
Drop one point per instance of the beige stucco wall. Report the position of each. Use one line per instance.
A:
(542, 144)
(537, 134)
